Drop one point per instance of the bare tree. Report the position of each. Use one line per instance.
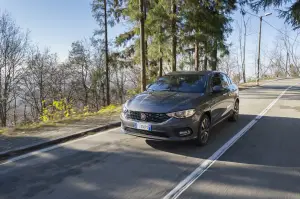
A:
(229, 66)
(284, 57)
(80, 58)
(121, 67)
(36, 80)
(61, 82)
(291, 48)
(98, 74)
(243, 33)
(13, 46)
(106, 15)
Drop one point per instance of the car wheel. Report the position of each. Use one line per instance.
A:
(235, 112)
(204, 131)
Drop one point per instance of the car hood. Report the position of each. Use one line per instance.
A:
(163, 101)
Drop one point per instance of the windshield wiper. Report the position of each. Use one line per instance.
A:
(168, 89)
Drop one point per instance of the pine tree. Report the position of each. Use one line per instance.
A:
(106, 13)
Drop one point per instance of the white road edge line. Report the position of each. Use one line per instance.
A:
(190, 179)
(53, 147)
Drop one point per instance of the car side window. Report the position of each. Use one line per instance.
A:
(228, 79)
(216, 80)
(224, 81)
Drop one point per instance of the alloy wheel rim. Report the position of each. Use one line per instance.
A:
(204, 130)
(236, 110)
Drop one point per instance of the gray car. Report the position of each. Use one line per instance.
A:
(182, 106)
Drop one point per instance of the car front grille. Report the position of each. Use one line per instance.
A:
(149, 133)
(150, 117)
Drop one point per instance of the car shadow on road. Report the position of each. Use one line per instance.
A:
(262, 162)
(219, 134)
(267, 127)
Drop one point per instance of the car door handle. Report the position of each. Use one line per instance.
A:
(225, 93)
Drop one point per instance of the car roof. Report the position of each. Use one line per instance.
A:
(207, 72)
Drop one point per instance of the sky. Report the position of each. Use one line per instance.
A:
(57, 23)
(54, 23)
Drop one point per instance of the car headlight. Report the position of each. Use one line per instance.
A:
(182, 114)
(124, 108)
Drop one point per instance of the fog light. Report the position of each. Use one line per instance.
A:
(185, 132)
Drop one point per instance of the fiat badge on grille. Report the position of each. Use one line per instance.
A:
(143, 116)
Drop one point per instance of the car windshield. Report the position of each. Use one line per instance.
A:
(180, 83)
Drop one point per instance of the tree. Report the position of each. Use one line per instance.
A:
(158, 30)
(98, 74)
(209, 31)
(142, 45)
(284, 57)
(228, 64)
(105, 12)
(35, 81)
(80, 58)
(174, 35)
(13, 46)
(221, 28)
(62, 81)
(243, 29)
(290, 47)
(287, 10)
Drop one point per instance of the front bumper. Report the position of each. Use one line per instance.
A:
(168, 130)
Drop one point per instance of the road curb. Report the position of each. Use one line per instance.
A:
(30, 148)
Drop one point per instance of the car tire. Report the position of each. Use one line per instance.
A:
(235, 112)
(204, 131)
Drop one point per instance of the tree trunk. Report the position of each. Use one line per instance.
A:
(160, 55)
(1, 96)
(119, 84)
(160, 66)
(196, 56)
(205, 56)
(142, 46)
(41, 91)
(244, 56)
(174, 39)
(15, 109)
(4, 108)
(3, 120)
(122, 87)
(86, 99)
(24, 114)
(97, 96)
(214, 56)
(103, 94)
(146, 39)
(106, 56)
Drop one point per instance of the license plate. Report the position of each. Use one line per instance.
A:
(143, 126)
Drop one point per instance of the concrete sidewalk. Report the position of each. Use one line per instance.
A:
(19, 142)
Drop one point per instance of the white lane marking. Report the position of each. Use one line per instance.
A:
(190, 179)
(39, 152)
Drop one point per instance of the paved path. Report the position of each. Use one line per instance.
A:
(13, 140)
(264, 163)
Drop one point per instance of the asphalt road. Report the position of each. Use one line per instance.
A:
(263, 163)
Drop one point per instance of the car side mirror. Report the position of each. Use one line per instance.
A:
(148, 86)
(217, 89)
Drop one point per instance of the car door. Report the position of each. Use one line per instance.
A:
(218, 100)
(232, 91)
(226, 84)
